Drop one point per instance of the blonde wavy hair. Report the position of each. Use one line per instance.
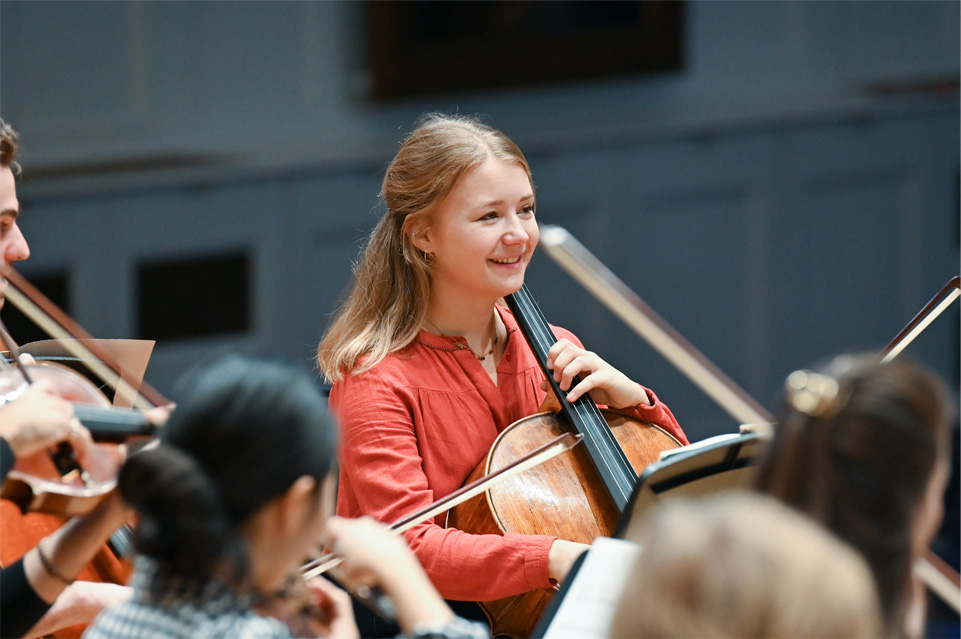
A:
(392, 280)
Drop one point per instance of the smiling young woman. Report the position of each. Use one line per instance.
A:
(427, 367)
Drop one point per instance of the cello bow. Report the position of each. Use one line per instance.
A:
(539, 455)
(936, 573)
(938, 304)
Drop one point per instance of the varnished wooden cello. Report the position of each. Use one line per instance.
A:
(577, 497)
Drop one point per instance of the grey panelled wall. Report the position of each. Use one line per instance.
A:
(792, 193)
(768, 250)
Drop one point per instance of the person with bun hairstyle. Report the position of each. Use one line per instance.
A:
(864, 448)
(428, 366)
(231, 500)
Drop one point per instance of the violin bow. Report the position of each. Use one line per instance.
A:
(56, 323)
(534, 458)
(584, 267)
(939, 576)
(938, 304)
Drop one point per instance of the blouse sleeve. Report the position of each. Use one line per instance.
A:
(382, 475)
(659, 414)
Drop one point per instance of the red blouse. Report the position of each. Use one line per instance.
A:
(415, 426)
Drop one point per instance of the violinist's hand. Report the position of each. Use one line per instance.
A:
(606, 384)
(80, 602)
(372, 553)
(40, 418)
(159, 415)
(375, 556)
(336, 608)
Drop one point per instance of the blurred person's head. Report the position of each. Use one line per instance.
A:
(242, 482)
(741, 564)
(864, 448)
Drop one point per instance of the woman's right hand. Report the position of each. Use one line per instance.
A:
(562, 556)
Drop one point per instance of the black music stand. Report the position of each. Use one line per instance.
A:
(722, 463)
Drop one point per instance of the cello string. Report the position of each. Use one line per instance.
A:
(609, 459)
(587, 410)
(608, 452)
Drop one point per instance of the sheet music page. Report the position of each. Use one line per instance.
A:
(588, 608)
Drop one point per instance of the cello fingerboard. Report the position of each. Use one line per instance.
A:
(586, 419)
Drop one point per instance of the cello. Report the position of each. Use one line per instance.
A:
(577, 497)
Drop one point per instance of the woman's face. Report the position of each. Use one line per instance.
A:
(483, 234)
(283, 532)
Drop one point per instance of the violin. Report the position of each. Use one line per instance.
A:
(53, 483)
(56, 484)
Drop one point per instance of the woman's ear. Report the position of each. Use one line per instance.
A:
(420, 234)
(297, 504)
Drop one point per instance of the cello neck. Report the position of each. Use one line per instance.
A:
(605, 453)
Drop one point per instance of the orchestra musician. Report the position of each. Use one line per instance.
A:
(428, 367)
(864, 448)
(741, 564)
(238, 490)
(40, 586)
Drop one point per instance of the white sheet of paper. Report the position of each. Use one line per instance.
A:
(591, 601)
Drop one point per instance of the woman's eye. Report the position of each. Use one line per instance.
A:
(528, 210)
(490, 216)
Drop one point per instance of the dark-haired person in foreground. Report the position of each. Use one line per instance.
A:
(239, 489)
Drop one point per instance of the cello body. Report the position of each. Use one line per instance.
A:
(576, 497)
(562, 497)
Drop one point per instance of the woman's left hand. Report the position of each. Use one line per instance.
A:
(606, 384)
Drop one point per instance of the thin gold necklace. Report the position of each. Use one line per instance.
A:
(458, 346)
